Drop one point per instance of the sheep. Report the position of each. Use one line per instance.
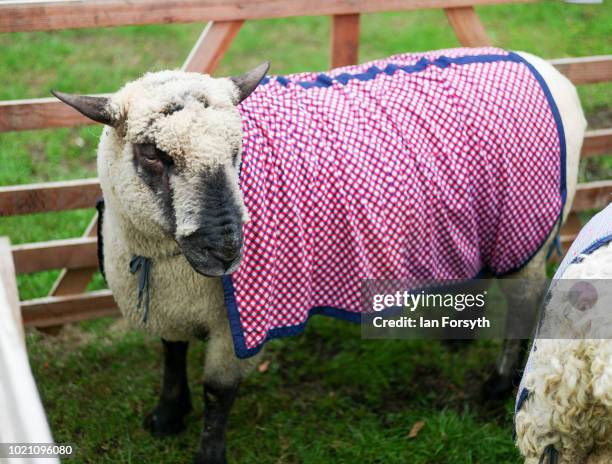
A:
(168, 162)
(564, 406)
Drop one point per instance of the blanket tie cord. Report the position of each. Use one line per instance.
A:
(142, 265)
(555, 247)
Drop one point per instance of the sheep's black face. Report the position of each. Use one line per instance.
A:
(210, 213)
(156, 167)
(215, 247)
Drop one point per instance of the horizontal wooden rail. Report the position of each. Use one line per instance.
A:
(58, 310)
(81, 253)
(48, 15)
(587, 69)
(593, 195)
(67, 195)
(74, 253)
(597, 142)
(38, 113)
(44, 113)
(51, 196)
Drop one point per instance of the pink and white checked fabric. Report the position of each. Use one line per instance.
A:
(419, 166)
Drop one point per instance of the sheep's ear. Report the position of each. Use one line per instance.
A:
(249, 81)
(95, 108)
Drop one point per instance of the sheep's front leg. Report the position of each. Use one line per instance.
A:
(223, 374)
(218, 401)
(175, 402)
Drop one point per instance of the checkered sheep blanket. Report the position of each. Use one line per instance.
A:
(419, 166)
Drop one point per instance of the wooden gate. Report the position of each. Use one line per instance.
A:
(68, 301)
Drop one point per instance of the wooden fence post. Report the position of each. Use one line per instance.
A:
(211, 46)
(344, 40)
(467, 26)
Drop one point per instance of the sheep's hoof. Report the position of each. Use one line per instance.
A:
(167, 418)
(216, 455)
(497, 388)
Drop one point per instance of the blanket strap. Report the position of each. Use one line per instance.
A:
(555, 247)
(100, 250)
(143, 266)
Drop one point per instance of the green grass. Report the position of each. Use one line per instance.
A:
(328, 396)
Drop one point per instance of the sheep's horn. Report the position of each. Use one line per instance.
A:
(249, 81)
(95, 108)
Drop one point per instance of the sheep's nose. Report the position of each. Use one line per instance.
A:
(232, 237)
(228, 254)
(215, 249)
(223, 243)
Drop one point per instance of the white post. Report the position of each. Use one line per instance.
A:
(22, 417)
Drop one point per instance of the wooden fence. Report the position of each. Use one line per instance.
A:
(68, 301)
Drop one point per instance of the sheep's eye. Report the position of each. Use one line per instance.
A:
(148, 151)
(151, 158)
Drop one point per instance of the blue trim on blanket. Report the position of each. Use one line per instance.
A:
(442, 62)
(291, 330)
(240, 347)
(563, 155)
(592, 247)
(236, 327)
(324, 80)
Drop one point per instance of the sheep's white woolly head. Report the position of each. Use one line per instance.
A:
(189, 116)
(169, 159)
